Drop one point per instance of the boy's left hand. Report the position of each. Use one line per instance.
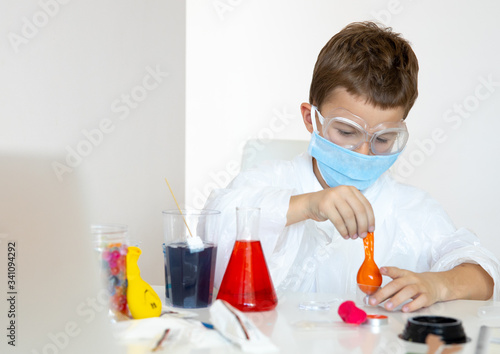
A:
(424, 288)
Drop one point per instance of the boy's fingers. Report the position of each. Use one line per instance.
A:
(366, 218)
(349, 211)
(356, 211)
(400, 297)
(369, 213)
(393, 272)
(417, 303)
(339, 224)
(348, 217)
(361, 217)
(392, 288)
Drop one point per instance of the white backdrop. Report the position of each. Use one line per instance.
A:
(176, 106)
(102, 85)
(249, 65)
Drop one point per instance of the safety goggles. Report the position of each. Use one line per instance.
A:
(350, 131)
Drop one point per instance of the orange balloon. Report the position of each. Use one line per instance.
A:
(369, 278)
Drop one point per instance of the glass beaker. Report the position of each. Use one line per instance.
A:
(247, 284)
(111, 242)
(189, 269)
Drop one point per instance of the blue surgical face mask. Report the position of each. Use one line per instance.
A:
(340, 166)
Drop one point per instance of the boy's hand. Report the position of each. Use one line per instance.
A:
(465, 281)
(424, 289)
(345, 206)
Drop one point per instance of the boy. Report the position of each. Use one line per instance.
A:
(364, 84)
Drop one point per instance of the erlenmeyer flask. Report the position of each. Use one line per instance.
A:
(246, 283)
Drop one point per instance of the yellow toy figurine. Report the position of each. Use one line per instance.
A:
(143, 301)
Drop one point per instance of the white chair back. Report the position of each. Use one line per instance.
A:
(257, 151)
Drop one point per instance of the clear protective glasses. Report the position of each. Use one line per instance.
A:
(346, 129)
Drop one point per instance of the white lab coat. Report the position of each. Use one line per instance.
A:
(412, 231)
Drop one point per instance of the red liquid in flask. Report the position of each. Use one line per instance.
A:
(369, 278)
(247, 284)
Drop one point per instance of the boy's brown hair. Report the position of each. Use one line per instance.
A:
(370, 62)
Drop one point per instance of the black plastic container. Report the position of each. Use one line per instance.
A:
(449, 329)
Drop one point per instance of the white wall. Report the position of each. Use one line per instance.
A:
(69, 66)
(250, 63)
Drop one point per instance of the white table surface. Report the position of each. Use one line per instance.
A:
(324, 332)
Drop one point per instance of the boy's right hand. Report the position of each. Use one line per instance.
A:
(345, 206)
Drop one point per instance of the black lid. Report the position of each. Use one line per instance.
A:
(449, 329)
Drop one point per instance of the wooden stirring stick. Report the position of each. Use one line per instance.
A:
(178, 207)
